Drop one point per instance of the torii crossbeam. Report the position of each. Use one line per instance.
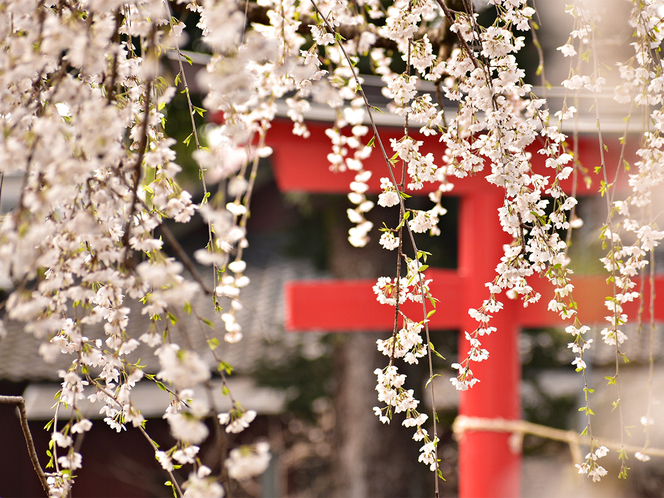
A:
(487, 465)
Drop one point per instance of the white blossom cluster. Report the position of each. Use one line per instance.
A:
(407, 344)
(498, 118)
(591, 467)
(82, 111)
(338, 88)
(82, 106)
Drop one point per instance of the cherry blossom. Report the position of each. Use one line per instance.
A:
(83, 105)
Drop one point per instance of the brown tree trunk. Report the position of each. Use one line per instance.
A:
(371, 459)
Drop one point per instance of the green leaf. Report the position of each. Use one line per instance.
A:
(178, 79)
(188, 139)
(612, 380)
(208, 322)
(372, 142)
(225, 367)
(430, 380)
(440, 474)
(435, 352)
(423, 255)
(172, 317)
(187, 58)
(187, 308)
(213, 343)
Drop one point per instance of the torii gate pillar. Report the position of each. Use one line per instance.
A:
(487, 463)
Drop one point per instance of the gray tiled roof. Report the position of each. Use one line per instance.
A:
(262, 323)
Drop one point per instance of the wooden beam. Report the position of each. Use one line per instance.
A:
(351, 305)
(300, 165)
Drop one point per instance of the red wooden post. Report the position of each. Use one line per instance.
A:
(487, 466)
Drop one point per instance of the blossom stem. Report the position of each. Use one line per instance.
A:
(182, 255)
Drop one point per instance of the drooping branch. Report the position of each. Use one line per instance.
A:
(19, 401)
(137, 173)
(172, 241)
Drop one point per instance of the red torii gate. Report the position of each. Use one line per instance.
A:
(487, 466)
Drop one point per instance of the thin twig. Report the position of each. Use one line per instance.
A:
(19, 401)
(174, 481)
(186, 261)
(462, 40)
(137, 171)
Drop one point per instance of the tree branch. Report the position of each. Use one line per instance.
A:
(137, 172)
(172, 241)
(19, 401)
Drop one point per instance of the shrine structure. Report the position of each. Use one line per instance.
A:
(487, 465)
